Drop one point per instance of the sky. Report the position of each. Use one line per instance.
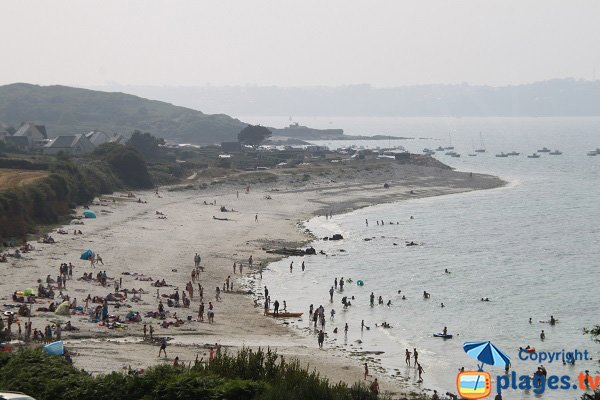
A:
(297, 43)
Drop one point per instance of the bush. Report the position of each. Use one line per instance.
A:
(248, 375)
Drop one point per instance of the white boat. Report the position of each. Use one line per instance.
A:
(534, 155)
(593, 152)
(455, 155)
(450, 147)
(502, 154)
(472, 155)
(555, 153)
(440, 148)
(513, 153)
(482, 149)
(544, 150)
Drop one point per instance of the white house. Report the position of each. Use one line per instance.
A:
(36, 133)
(75, 145)
(100, 137)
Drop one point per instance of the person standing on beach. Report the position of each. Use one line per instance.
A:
(346, 329)
(250, 261)
(335, 283)
(276, 307)
(321, 339)
(145, 330)
(201, 312)
(163, 347)
(331, 294)
(366, 371)
(151, 330)
(420, 370)
(266, 292)
(342, 283)
(291, 266)
(302, 266)
(310, 310)
(234, 267)
(407, 358)
(366, 222)
(416, 356)
(372, 297)
(241, 268)
(256, 218)
(542, 336)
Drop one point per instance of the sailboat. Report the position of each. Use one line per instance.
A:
(482, 149)
(450, 141)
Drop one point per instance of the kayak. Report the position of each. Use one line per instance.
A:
(441, 335)
(285, 314)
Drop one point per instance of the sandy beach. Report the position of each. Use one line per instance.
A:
(132, 239)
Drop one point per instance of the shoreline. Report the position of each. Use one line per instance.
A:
(279, 225)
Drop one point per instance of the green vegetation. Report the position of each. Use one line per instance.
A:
(46, 200)
(65, 110)
(248, 375)
(253, 135)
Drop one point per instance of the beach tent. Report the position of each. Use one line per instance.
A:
(86, 255)
(55, 348)
(89, 214)
(63, 309)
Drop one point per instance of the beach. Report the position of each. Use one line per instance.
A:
(135, 243)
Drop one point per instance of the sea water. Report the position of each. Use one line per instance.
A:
(531, 247)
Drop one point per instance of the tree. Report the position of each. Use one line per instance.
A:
(253, 135)
(146, 144)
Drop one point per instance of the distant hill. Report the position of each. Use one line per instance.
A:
(559, 97)
(67, 110)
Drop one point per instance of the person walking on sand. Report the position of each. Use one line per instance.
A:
(416, 355)
(250, 261)
(331, 294)
(151, 331)
(420, 370)
(302, 266)
(201, 312)
(321, 338)
(99, 259)
(407, 358)
(366, 371)
(163, 347)
(241, 268)
(291, 266)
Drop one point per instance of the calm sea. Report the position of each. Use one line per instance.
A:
(531, 247)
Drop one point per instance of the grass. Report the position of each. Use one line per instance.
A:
(11, 178)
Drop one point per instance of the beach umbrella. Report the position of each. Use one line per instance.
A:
(486, 353)
(86, 255)
(89, 214)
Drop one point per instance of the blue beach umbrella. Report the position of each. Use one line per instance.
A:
(89, 214)
(86, 255)
(486, 353)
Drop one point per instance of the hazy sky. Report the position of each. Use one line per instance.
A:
(303, 42)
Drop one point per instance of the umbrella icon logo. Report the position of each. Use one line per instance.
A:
(478, 384)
